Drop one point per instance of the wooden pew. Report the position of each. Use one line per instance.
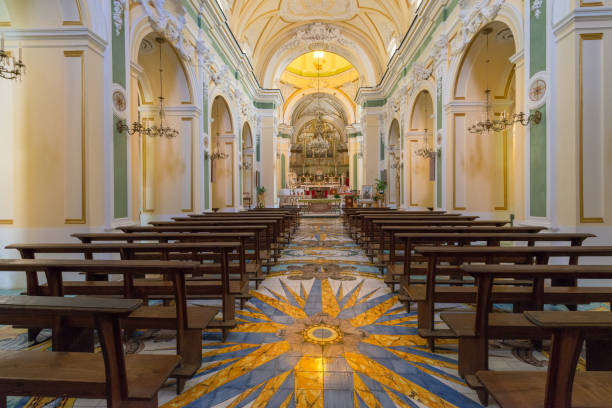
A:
(405, 267)
(370, 224)
(187, 321)
(219, 286)
(475, 329)
(273, 229)
(262, 232)
(560, 386)
(248, 241)
(291, 217)
(284, 226)
(432, 292)
(392, 242)
(123, 380)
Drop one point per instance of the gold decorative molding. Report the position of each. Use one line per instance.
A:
(190, 209)
(412, 204)
(584, 37)
(6, 222)
(591, 3)
(83, 220)
(80, 20)
(505, 149)
(144, 171)
(5, 23)
(507, 87)
(455, 116)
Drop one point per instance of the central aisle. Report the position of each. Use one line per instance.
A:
(323, 330)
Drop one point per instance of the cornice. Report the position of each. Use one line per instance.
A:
(583, 18)
(73, 36)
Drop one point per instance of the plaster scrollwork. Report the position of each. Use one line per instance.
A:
(440, 49)
(418, 74)
(536, 7)
(169, 25)
(119, 7)
(317, 33)
(473, 19)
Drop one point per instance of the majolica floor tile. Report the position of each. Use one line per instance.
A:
(323, 330)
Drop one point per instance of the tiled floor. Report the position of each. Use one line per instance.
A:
(323, 330)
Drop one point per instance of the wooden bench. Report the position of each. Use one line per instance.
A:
(475, 329)
(404, 266)
(188, 321)
(449, 222)
(263, 235)
(391, 249)
(432, 292)
(248, 240)
(123, 380)
(272, 232)
(560, 386)
(279, 230)
(217, 282)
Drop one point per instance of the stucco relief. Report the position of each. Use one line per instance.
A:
(307, 10)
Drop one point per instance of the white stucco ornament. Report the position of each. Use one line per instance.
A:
(119, 7)
(473, 19)
(536, 7)
(418, 74)
(169, 24)
(321, 34)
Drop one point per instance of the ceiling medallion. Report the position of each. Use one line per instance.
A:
(307, 10)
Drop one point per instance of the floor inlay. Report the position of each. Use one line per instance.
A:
(323, 330)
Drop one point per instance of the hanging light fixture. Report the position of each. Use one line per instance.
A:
(319, 145)
(426, 152)
(217, 154)
(154, 131)
(498, 125)
(10, 68)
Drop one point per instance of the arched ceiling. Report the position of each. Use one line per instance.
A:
(274, 32)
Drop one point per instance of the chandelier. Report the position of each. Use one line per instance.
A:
(498, 125)
(217, 154)
(10, 68)
(319, 145)
(153, 131)
(425, 152)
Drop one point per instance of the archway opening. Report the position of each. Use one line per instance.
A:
(394, 165)
(162, 169)
(223, 147)
(247, 166)
(421, 157)
(484, 89)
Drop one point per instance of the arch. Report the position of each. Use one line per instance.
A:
(509, 15)
(393, 162)
(419, 140)
(297, 97)
(422, 107)
(358, 54)
(139, 29)
(223, 141)
(248, 161)
(481, 76)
